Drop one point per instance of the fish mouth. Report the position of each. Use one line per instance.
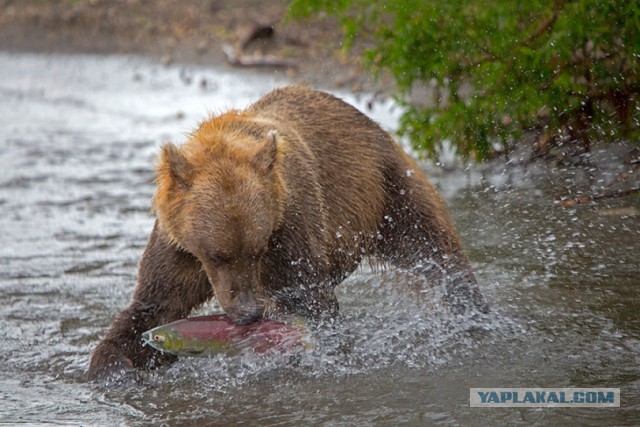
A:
(147, 338)
(153, 340)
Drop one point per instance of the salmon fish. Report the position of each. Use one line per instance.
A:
(205, 336)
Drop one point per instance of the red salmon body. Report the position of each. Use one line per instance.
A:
(210, 335)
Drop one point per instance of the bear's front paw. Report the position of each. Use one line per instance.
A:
(109, 363)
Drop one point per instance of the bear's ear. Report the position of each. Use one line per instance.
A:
(174, 166)
(266, 156)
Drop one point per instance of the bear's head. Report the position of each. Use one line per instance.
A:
(219, 198)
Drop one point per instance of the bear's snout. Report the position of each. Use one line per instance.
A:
(237, 289)
(243, 315)
(244, 308)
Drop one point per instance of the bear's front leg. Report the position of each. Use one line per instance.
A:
(171, 282)
(418, 235)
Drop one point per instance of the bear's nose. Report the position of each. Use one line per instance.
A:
(244, 316)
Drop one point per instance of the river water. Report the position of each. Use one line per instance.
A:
(78, 139)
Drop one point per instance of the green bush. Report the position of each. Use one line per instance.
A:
(568, 70)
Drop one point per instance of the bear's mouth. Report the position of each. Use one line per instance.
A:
(245, 315)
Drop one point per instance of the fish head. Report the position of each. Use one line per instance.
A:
(163, 339)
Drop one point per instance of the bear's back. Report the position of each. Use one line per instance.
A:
(324, 121)
(350, 150)
(352, 157)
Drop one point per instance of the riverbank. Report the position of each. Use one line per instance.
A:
(189, 31)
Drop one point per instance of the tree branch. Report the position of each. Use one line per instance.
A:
(580, 200)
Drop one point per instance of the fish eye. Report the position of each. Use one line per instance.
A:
(158, 338)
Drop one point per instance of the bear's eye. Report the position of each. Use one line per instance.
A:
(218, 259)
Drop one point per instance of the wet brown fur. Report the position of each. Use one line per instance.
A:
(304, 186)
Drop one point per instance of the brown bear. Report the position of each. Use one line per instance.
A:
(269, 208)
